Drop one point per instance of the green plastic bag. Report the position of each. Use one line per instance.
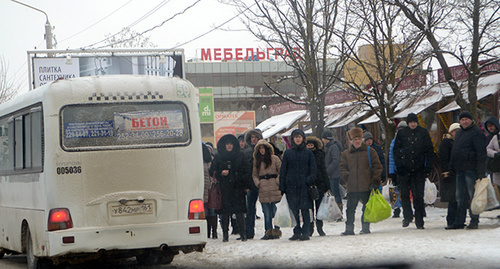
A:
(377, 208)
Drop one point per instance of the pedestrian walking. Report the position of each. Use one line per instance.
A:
(468, 162)
(322, 181)
(361, 170)
(230, 171)
(266, 169)
(251, 139)
(210, 214)
(393, 173)
(448, 180)
(298, 172)
(333, 151)
(413, 155)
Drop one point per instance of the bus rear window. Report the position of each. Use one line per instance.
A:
(124, 125)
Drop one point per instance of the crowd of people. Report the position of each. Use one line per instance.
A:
(248, 168)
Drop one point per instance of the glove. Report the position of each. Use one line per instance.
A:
(373, 187)
(445, 174)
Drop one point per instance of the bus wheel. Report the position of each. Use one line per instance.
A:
(34, 262)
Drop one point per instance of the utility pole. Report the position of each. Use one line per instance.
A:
(48, 27)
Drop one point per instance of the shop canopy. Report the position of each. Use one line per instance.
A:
(278, 123)
(485, 87)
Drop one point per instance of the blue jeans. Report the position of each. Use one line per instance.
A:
(269, 210)
(464, 194)
(335, 188)
(252, 197)
(209, 211)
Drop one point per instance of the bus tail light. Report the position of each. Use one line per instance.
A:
(196, 209)
(59, 219)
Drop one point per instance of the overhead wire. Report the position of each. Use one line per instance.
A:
(139, 34)
(116, 10)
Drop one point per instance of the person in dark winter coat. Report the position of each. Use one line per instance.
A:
(413, 155)
(322, 181)
(493, 127)
(333, 150)
(298, 172)
(448, 180)
(251, 139)
(369, 141)
(468, 161)
(265, 174)
(210, 214)
(231, 172)
(360, 177)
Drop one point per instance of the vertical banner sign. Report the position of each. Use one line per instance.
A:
(206, 105)
(236, 123)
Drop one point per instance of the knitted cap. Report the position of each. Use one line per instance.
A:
(327, 135)
(367, 136)
(453, 127)
(402, 124)
(465, 114)
(411, 117)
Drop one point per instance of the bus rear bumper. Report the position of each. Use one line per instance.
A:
(183, 236)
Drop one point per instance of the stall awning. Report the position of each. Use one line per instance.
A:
(486, 86)
(353, 115)
(435, 94)
(278, 123)
(373, 118)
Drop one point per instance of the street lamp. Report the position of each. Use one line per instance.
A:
(48, 27)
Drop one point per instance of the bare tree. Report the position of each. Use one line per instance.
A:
(7, 88)
(383, 51)
(466, 31)
(305, 30)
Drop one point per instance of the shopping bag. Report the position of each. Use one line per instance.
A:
(284, 216)
(395, 198)
(478, 204)
(492, 201)
(430, 192)
(322, 213)
(377, 208)
(214, 197)
(334, 212)
(386, 191)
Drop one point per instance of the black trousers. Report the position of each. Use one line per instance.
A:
(353, 198)
(414, 182)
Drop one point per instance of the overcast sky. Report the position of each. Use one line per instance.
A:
(22, 28)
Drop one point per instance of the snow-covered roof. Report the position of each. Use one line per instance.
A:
(485, 87)
(353, 115)
(278, 123)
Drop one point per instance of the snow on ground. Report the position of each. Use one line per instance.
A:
(388, 245)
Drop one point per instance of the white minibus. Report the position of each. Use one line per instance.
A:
(106, 166)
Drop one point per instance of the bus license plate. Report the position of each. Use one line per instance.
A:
(135, 209)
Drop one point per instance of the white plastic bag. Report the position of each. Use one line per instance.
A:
(430, 192)
(328, 209)
(386, 192)
(284, 216)
(491, 196)
(322, 213)
(478, 204)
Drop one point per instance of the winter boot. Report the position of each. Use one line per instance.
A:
(474, 223)
(225, 236)
(268, 235)
(240, 221)
(319, 226)
(311, 228)
(234, 226)
(214, 227)
(349, 229)
(397, 212)
(365, 229)
(276, 233)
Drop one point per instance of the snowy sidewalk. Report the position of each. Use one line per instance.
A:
(388, 244)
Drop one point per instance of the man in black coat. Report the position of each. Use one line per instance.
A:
(468, 162)
(413, 155)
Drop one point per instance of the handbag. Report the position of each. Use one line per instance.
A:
(214, 197)
(313, 192)
(377, 208)
(493, 165)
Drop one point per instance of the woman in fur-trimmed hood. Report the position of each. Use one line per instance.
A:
(265, 174)
(230, 172)
(298, 172)
(322, 180)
